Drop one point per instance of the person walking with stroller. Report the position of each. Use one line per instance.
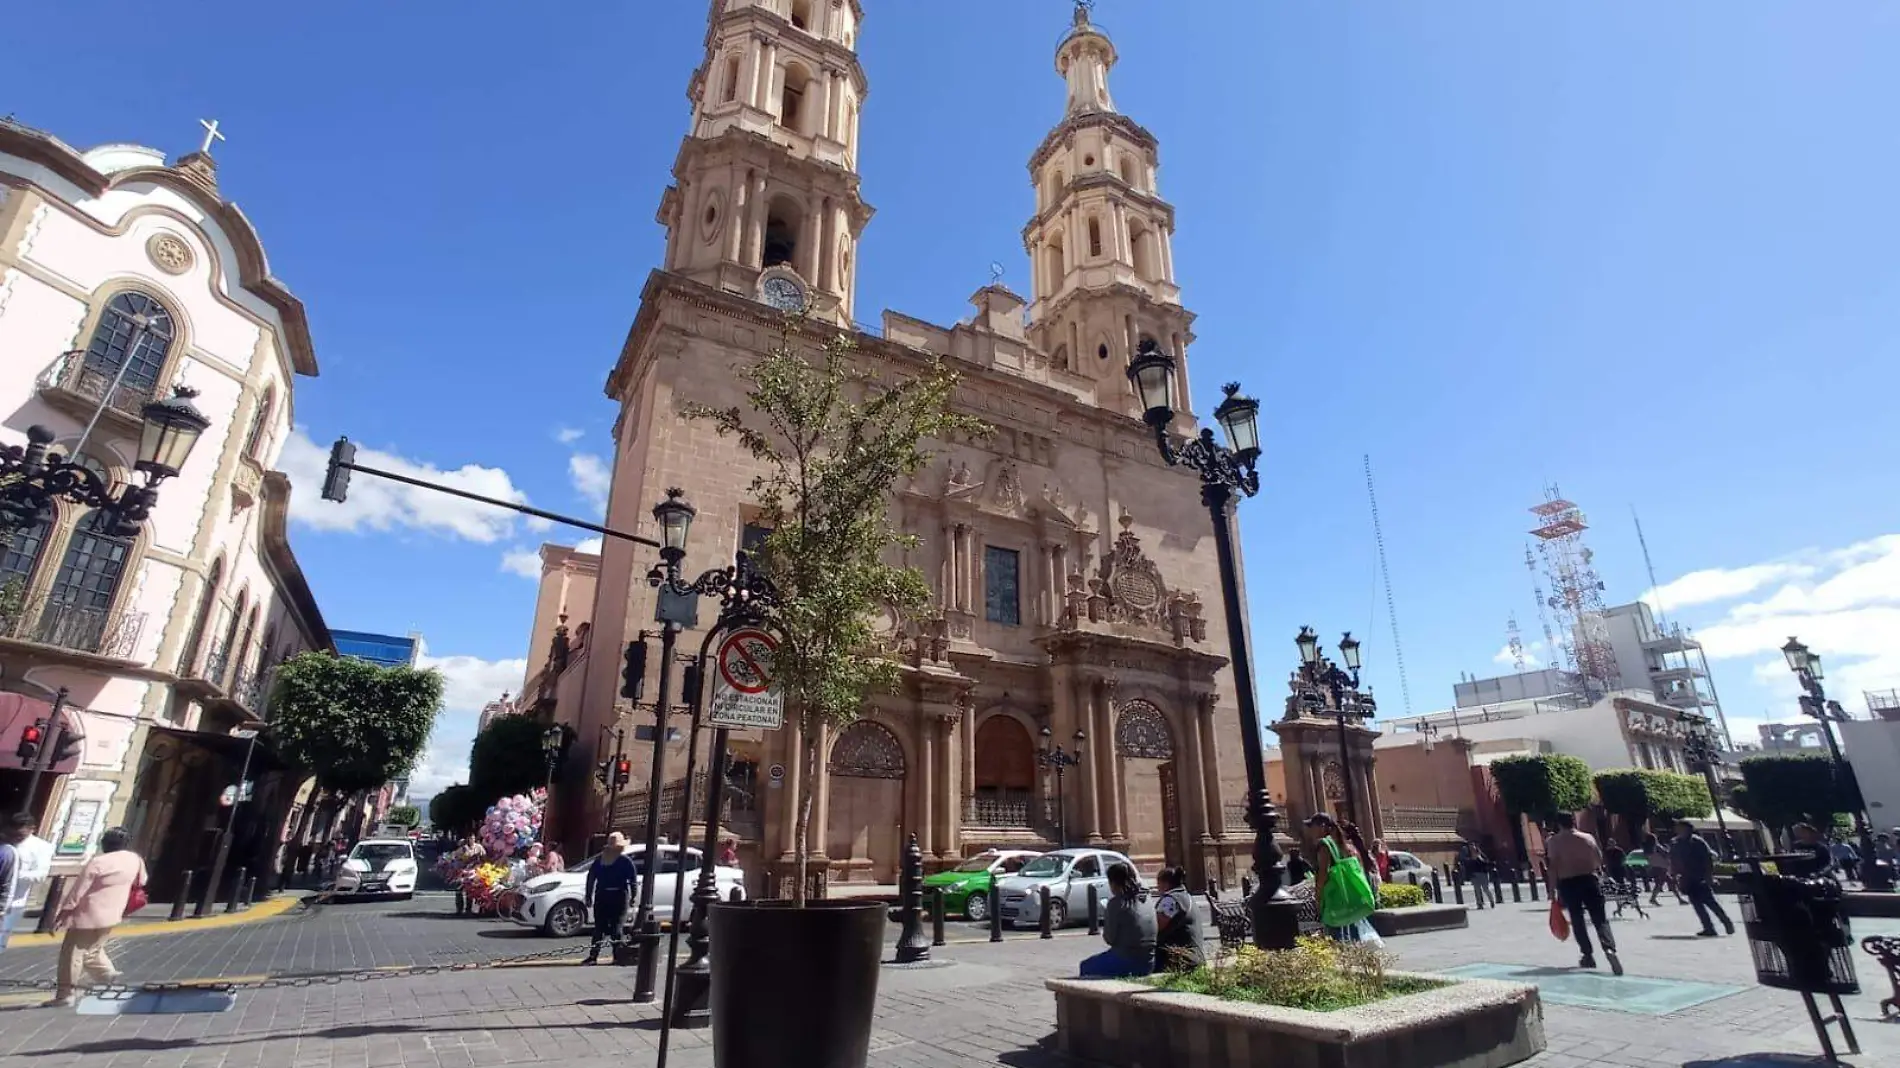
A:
(1694, 864)
(1574, 859)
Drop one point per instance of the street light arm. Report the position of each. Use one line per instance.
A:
(1213, 461)
(745, 594)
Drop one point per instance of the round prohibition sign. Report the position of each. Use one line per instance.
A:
(745, 661)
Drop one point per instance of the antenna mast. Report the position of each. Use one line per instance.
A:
(1385, 575)
(1662, 622)
(1576, 593)
(1516, 642)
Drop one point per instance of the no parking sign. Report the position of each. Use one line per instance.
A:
(744, 697)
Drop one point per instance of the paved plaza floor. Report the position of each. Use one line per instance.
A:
(1686, 1002)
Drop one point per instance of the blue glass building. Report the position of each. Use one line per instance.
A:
(384, 649)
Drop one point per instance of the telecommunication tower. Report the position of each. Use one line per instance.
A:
(1516, 642)
(1576, 594)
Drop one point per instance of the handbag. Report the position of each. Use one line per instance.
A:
(136, 898)
(1348, 897)
(1559, 920)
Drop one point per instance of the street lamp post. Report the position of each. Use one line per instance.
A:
(1704, 756)
(553, 740)
(1806, 666)
(1341, 694)
(1225, 471)
(32, 478)
(1051, 756)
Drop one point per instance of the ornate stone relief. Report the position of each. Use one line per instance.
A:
(1142, 731)
(168, 253)
(1128, 590)
(1333, 781)
(867, 751)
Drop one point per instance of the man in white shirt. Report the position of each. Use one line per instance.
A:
(33, 862)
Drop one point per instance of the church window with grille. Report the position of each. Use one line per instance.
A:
(1095, 238)
(118, 342)
(1002, 597)
(731, 91)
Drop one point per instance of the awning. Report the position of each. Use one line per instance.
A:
(228, 746)
(17, 713)
(1735, 823)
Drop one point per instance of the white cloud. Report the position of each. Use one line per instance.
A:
(591, 546)
(380, 504)
(592, 478)
(1720, 584)
(523, 562)
(468, 683)
(1532, 661)
(568, 435)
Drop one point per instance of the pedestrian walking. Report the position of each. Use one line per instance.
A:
(1694, 864)
(1345, 895)
(32, 863)
(1128, 926)
(1574, 859)
(1177, 926)
(1476, 868)
(1382, 857)
(108, 888)
(1661, 876)
(728, 853)
(609, 886)
(1815, 857)
(1846, 858)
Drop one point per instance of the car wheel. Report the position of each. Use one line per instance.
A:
(977, 907)
(1058, 913)
(566, 919)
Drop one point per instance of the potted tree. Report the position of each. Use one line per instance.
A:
(794, 982)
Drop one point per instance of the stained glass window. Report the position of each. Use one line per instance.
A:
(1002, 583)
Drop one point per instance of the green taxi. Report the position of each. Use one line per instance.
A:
(966, 887)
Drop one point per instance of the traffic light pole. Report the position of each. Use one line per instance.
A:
(49, 747)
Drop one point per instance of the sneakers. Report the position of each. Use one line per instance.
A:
(1587, 962)
(63, 1002)
(1616, 964)
(1710, 933)
(1730, 924)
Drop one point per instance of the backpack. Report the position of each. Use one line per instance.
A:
(1349, 897)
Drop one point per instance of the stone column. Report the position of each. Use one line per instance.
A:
(821, 793)
(808, 228)
(1105, 697)
(1081, 700)
(972, 571)
(1210, 772)
(927, 785)
(1372, 825)
(768, 76)
(968, 753)
(737, 210)
(1166, 241)
(949, 842)
(840, 239)
(1124, 245)
(827, 263)
(1196, 799)
(794, 783)
(755, 226)
(836, 117)
(821, 121)
(748, 88)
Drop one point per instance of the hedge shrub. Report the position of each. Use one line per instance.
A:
(1400, 896)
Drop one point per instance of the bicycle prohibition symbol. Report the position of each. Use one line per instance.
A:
(744, 697)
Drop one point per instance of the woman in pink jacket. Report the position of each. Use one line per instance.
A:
(91, 909)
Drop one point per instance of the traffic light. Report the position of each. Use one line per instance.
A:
(30, 741)
(633, 677)
(336, 481)
(67, 747)
(689, 685)
(623, 771)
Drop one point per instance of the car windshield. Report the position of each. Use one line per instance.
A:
(380, 852)
(1046, 866)
(976, 864)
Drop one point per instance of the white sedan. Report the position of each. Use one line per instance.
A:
(379, 866)
(557, 902)
(1407, 868)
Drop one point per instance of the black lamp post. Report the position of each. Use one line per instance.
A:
(1806, 666)
(1225, 471)
(1051, 757)
(1325, 688)
(675, 516)
(31, 479)
(553, 740)
(1703, 755)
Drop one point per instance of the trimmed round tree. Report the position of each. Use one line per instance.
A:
(1542, 786)
(351, 724)
(1640, 795)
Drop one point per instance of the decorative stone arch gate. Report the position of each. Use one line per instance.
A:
(864, 814)
(1150, 782)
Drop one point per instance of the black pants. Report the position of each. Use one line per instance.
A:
(1702, 895)
(610, 908)
(1582, 894)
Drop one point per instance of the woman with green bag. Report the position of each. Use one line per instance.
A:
(1346, 897)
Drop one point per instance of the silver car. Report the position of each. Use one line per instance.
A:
(1068, 873)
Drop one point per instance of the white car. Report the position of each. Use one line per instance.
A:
(379, 866)
(1408, 869)
(557, 902)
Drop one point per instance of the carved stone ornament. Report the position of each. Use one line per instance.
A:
(1333, 781)
(1006, 487)
(867, 751)
(1142, 731)
(169, 254)
(1128, 590)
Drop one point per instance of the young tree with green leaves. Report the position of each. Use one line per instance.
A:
(1640, 795)
(456, 810)
(1542, 786)
(1783, 789)
(352, 724)
(507, 759)
(833, 440)
(404, 816)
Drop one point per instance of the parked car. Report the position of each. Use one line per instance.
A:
(1408, 869)
(966, 887)
(557, 902)
(1068, 873)
(379, 866)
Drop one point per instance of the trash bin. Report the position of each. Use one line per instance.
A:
(1799, 938)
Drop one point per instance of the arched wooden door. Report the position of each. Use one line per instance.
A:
(866, 811)
(1005, 777)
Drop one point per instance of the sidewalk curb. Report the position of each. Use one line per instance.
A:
(264, 910)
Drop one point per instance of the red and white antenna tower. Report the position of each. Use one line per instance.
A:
(1576, 594)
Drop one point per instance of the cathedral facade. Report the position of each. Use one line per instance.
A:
(1076, 588)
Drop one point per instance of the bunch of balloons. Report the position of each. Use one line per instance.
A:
(512, 824)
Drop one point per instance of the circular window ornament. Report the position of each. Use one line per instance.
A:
(709, 219)
(169, 254)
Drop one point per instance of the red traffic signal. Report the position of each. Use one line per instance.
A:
(623, 771)
(31, 739)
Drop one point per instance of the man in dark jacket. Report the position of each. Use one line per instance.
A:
(1694, 864)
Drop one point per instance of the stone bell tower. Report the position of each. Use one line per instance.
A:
(765, 199)
(1101, 242)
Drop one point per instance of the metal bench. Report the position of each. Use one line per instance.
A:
(1235, 920)
(1886, 950)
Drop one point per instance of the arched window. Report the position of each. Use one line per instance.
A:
(1144, 245)
(1057, 267)
(260, 424)
(226, 657)
(781, 233)
(188, 660)
(731, 91)
(134, 332)
(80, 602)
(1128, 170)
(242, 651)
(21, 557)
(801, 14)
(1095, 238)
(792, 99)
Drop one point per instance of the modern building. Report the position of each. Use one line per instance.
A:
(1622, 730)
(123, 276)
(383, 650)
(1070, 564)
(1872, 746)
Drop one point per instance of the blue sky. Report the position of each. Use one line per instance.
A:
(1642, 251)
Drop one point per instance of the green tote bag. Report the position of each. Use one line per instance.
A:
(1349, 897)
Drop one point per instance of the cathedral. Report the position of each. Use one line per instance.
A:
(1076, 587)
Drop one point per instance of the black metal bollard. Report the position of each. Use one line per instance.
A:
(996, 913)
(1457, 889)
(912, 943)
(1517, 889)
(250, 891)
(183, 897)
(1042, 925)
(1532, 880)
(1095, 909)
(461, 902)
(237, 888)
(1438, 891)
(55, 889)
(936, 919)
(1246, 887)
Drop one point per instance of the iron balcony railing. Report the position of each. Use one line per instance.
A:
(1005, 812)
(631, 810)
(69, 626)
(72, 374)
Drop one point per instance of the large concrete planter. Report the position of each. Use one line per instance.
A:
(1417, 919)
(1473, 1023)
